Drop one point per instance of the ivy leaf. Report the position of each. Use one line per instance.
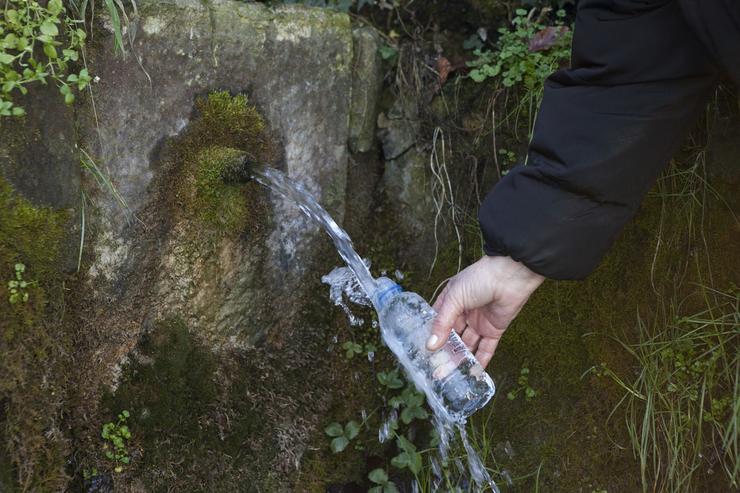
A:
(378, 476)
(338, 444)
(334, 430)
(351, 429)
(49, 28)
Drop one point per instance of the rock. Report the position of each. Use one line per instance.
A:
(407, 181)
(37, 152)
(234, 268)
(367, 80)
(238, 47)
(398, 130)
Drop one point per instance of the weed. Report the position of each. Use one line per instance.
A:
(383, 485)
(681, 409)
(524, 56)
(117, 436)
(390, 379)
(341, 436)
(522, 387)
(30, 29)
(18, 287)
(411, 403)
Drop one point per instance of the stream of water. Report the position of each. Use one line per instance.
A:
(356, 284)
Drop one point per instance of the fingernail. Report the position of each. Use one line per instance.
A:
(432, 341)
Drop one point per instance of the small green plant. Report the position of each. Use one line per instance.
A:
(522, 387)
(18, 287)
(383, 485)
(116, 436)
(524, 56)
(38, 43)
(507, 157)
(390, 379)
(527, 54)
(412, 402)
(341, 435)
(88, 474)
(684, 403)
(409, 457)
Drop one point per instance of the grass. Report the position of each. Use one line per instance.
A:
(681, 409)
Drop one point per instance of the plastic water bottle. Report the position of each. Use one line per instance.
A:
(452, 379)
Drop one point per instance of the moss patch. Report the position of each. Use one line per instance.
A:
(225, 130)
(32, 345)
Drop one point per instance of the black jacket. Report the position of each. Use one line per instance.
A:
(642, 71)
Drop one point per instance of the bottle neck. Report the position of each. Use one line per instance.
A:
(386, 290)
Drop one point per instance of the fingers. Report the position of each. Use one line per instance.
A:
(471, 339)
(486, 348)
(440, 299)
(460, 324)
(449, 309)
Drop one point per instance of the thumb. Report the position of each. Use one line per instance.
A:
(447, 313)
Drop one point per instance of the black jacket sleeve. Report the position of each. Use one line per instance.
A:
(606, 127)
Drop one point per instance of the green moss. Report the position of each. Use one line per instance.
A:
(218, 204)
(177, 418)
(32, 345)
(225, 130)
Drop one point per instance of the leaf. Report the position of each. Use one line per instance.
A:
(50, 51)
(473, 42)
(444, 67)
(55, 7)
(387, 52)
(375, 489)
(49, 28)
(69, 98)
(390, 488)
(334, 430)
(405, 445)
(6, 58)
(70, 54)
(547, 38)
(18, 111)
(401, 461)
(413, 412)
(378, 476)
(338, 444)
(351, 429)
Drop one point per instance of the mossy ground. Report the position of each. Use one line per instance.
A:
(33, 345)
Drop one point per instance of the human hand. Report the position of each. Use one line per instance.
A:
(480, 302)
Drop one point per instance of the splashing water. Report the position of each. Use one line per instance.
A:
(343, 284)
(356, 284)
